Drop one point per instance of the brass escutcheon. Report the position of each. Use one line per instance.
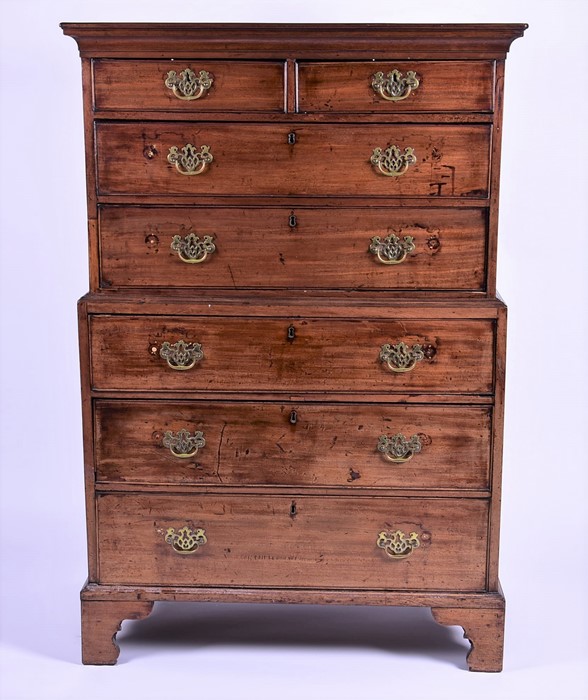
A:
(399, 448)
(186, 540)
(183, 444)
(400, 357)
(189, 160)
(181, 355)
(397, 545)
(187, 85)
(191, 249)
(392, 250)
(394, 86)
(391, 161)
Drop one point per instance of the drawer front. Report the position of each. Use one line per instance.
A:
(268, 354)
(257, 159)
(443, 86)
(296, 248)
(226, 86)
(304, 542)
(293, 444)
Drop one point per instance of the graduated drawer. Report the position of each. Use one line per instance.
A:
(258, 159)
(296, 248)
(237, 353)
(307, 542)
(437, 86)
(243, 86)
(285, 444)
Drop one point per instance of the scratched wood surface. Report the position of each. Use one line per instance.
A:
(452, 86)
(292, 121)
(298, 248)
(254, 354)
(256, 159)
(240, 86)
(292, 444)
(302, 542)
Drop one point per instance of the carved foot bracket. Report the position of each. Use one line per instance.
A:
(483, 628)
(101, 620)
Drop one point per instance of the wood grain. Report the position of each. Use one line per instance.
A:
(485, 631)
(101, 620)
(238, 86)
(448, 86)
(254, 354)
(292, 509)
(256, 159)
(258, 444)
(258, 248)
(333, 41)
(328, 543)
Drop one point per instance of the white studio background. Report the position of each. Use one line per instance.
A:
(218, 652)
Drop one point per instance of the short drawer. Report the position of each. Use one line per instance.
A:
(229, 354)
(307, 542)
(394, 87)
(299, 248)
(422, 160)
(341, 445)
(188, 86)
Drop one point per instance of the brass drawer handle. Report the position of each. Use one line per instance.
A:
(394, 86)
(181, 355)
(186, 540)
(391, 161)
(191, 249)
(183, 444)
(392, 250)
(189, 160)
(400, 357)
(187, 85)
(398, 448)
(397, 545)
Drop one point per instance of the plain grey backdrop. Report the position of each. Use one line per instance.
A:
(217, 652)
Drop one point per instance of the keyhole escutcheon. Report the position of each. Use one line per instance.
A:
(291, 334)
(293, 511)
(291, 138)
(292, 221)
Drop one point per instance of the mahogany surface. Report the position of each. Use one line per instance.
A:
(287, 496)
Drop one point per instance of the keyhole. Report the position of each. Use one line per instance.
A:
(293, 417)
(291, 333)
(293, 511)
(292, 221)
(291, 138)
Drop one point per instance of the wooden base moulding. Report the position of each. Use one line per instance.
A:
(104, 608)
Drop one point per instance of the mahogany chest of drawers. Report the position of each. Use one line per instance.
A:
(292, 351)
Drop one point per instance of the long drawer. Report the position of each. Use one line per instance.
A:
(351, 542)
(293, 159)
(344, 445)
(299, 248)
(240, 353)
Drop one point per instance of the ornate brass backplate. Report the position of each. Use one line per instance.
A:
(187, 85)
(186, 540)
(394, 86)
(189, 160)
(399, 357)
(397, 545)
(398, 448)
(181, 355)
(191, 249)
(183, 444)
